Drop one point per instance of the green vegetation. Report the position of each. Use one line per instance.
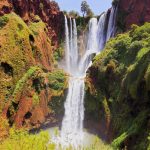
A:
(57, 80)
(26, 59)
(15, 50)
(21, 139)
(85, 9)
(58, 85)
(59, 53)
(37, 26)
(21, 83)
(122, 75)
(36, 99)
(73, 14)
(3, 21)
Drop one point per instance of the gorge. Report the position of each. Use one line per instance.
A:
(89, 76)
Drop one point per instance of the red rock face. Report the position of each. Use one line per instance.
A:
(48, 11)
(29, 113)
(5, 7)
(136, 11)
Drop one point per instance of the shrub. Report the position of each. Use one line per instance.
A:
(56, 80)
(3, 21)
(73, 14)
(59, 53)
(140, 33)
(20, 84)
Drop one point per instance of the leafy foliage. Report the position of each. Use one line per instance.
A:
(85, 9)
(56, 80)
(3, 21)
(20, 84)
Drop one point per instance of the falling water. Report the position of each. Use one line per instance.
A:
(72, 124)
(101, 35)
(92, 46)
(67, 48)
(76, 65)
(111, 23)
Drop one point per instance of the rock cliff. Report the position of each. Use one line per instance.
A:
(133, 12)
(27, 75)
(118, 90)
(47, 10)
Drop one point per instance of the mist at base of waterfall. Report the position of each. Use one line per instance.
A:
(87, 140)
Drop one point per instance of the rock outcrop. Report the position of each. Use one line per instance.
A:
(27, 76)
(133, 12)
(47, 10)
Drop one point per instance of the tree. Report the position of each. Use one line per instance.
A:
(73, 14)
(84, 7)
(90, 12)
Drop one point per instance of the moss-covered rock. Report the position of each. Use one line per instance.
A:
(58, 86)
(121, 75)
(28, 80)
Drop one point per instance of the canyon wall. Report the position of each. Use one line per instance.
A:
(117, 85)
(132, 12)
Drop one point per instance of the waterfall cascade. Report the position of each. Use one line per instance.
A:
(76, 65)
(72, 125)
(111, 23)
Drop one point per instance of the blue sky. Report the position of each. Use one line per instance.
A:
(98, 6)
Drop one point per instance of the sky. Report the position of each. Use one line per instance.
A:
(97, 6)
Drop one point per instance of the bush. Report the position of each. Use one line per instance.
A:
(140, 33)
(20, 84)
(56, 80)
(3, 21)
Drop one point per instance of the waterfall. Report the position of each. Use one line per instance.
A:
(101, 35)
(106, 31)
(72, 125)
(74, 54)
(111, 23)
(67, 48)
(92, 46)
